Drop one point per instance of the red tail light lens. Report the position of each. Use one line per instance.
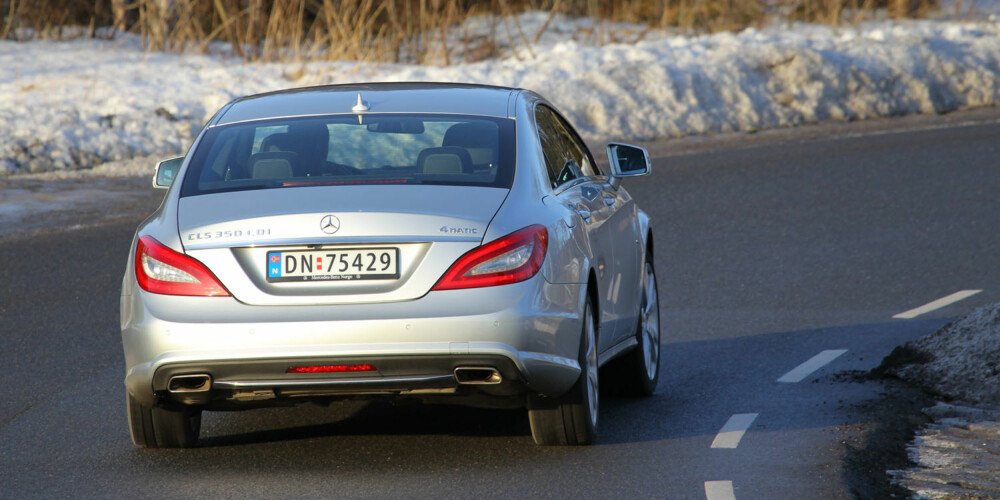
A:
(510, 259)
(158, 269)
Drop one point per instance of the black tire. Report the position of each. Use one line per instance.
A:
(642, 365)
(572, 418)
(162, 427)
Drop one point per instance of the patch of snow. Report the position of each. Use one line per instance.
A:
(964, 359)
(74, 104)
(958, 454)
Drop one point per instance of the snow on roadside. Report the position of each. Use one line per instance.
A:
(960, 361)
(958, 454)
(67, 105)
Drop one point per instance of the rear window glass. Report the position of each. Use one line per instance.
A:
(338, 150)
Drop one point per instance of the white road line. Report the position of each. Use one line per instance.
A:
(719, 490)
(731, 433)
(815, 363)
(937, 304)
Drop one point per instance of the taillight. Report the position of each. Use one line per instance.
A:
(510, 259)
(158, 269)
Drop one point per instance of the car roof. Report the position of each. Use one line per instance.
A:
(447, 98)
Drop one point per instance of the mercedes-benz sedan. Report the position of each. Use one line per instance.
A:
(455, 243)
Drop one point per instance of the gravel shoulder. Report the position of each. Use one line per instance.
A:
(30, 206)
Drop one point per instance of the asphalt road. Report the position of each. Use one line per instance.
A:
(769, 252)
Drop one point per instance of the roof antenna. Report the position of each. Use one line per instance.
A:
(360, 108)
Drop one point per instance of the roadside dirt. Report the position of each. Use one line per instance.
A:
(889, 424)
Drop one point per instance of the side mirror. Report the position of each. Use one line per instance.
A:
(166, 172)
(627, 161)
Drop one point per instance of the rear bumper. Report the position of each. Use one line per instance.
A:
(528, 331)
(234, 384)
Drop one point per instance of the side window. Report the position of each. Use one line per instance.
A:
(556, 160)
(576, 148)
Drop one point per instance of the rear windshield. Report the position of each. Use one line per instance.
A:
(338, 150)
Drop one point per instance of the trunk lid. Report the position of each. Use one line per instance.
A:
(238, 235)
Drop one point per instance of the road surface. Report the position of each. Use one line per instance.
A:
(782, 262)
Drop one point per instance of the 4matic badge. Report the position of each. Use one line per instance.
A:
(459, 230)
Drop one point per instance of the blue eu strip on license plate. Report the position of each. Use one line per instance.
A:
(274, 265)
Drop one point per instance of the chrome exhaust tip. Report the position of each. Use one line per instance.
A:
(200, 382)
(477, 375)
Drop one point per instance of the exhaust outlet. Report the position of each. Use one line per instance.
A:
(477, 375)
(200, 382)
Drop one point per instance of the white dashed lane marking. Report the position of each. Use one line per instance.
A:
(731, 433)
(719, 490)
(815, 363)
(937, 304)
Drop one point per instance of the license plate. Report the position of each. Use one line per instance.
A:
(333, 265)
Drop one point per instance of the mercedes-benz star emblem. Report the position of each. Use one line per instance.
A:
(329, 224)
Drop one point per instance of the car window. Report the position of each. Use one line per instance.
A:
(338, 150)
(552, 148)
(576, 148)
(566, 157)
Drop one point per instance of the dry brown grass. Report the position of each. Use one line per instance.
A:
(418, 31)
(837, 12)
(50, 18)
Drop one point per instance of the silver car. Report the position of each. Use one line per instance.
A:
(450, 243)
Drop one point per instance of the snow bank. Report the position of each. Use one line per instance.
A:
(957, 455)
(66, 105)
(960, 361)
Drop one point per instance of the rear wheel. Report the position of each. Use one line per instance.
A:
(572, 418)
(161, 427)
(638, 373)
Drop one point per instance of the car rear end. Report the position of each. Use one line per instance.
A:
(278, 272)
